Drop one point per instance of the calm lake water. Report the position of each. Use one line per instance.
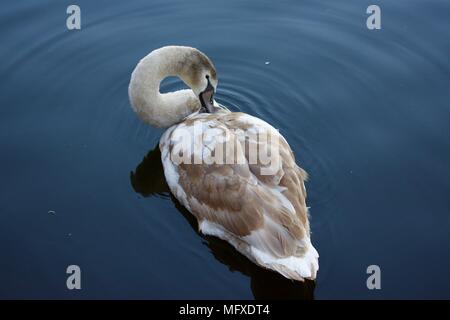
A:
(367, 114)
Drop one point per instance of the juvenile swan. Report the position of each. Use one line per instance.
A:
(214, 165)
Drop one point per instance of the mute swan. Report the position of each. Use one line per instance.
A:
(214, 165)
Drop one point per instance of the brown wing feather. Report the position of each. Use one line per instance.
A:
(242, 200)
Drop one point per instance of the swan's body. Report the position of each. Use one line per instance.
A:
(263, 214)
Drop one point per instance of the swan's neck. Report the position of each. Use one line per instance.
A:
(161, 109)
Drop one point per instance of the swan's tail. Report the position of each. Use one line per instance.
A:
(298, 267)
(293, 267)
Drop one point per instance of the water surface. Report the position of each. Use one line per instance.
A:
(366, 113)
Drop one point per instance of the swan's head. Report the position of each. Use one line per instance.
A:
(166, 109)
(199, 73)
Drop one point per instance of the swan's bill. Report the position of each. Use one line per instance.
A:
(206, 98)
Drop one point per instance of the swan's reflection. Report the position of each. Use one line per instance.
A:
(148, 180)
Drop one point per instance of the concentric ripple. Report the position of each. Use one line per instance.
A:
(365, 112)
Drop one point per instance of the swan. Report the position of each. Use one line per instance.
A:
(209, 161)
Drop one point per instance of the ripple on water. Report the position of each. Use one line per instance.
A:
(309, 68)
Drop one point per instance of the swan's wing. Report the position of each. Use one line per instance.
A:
(263, 208)
(290, 178)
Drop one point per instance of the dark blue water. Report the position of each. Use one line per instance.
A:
(367, 114)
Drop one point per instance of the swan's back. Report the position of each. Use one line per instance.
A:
(260, 210)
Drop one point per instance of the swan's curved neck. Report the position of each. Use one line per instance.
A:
(161, 109)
